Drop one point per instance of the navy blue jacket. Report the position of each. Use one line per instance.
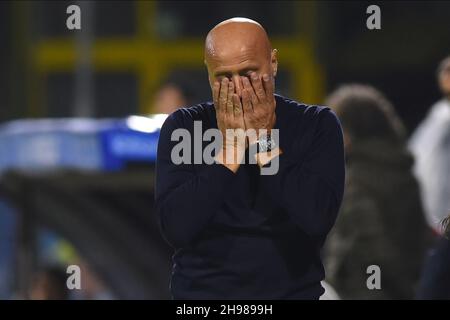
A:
(245, 235)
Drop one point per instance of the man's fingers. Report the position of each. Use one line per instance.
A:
(250, 91)
(258, 86)
(223, 96)
(268, 86)
(230, 99)
(241, 86)
(216, 88)
(246, 104)
(237, 106)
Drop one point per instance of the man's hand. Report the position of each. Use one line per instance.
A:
(258, 104)
(230, 121)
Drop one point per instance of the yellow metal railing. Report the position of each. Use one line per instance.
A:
(151, 59)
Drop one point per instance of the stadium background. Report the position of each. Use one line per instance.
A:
(99, 212)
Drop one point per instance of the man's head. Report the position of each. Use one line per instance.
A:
(443, 74)
(236, 47)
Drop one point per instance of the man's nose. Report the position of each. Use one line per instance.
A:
(238, 85)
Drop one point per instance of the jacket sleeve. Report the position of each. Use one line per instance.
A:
(185, 200)
(311, 189)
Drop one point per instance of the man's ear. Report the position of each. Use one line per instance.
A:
(274, 62)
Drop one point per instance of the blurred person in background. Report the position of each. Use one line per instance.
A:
(49, 283)
(381, 221)
(175, 92)
(92, 286)
(430, 144)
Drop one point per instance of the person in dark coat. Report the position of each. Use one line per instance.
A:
(381, 221)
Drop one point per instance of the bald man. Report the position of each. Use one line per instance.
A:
(239, 233)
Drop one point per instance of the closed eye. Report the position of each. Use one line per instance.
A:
(221, 75)
(247, 72)
(243, 73)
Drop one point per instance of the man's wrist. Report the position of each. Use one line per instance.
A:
(263, 158)
(252, 139)
(231, 156)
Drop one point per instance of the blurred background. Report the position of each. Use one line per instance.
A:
(80, 112)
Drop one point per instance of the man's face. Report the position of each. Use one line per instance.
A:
(238, 62)
(444, 81)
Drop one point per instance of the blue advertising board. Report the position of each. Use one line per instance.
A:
(90, 144)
